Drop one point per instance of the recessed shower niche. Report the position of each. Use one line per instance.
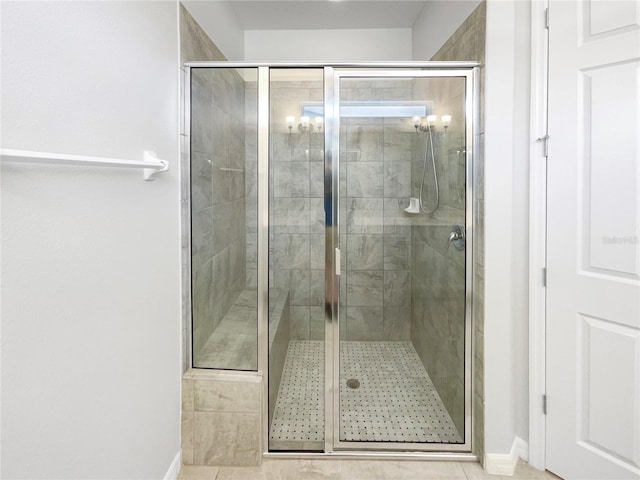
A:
(331, 248)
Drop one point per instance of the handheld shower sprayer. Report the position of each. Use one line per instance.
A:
(426, 127)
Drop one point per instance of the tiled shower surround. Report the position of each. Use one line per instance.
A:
(220, 410)
(375, 185)
(296, 228)
(222, 171)
(401, 279)
(381, 167)
(438, 269)
(218, 198)
(468, 43)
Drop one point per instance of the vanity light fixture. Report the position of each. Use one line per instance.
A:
(416, 122)
(305, 124)
(290, 120)
(427, 123)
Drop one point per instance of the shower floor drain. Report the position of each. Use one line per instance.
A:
(353, 383)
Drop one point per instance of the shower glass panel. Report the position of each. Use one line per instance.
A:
(296, 261)
(223, 138)
(364, 173)
(401, 375)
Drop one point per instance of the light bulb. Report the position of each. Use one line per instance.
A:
(304, 121)
(416, 120)
(446, 120)
(431, 120)
(289, 119)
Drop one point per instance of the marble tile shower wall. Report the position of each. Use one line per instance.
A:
(216, 429)
(375, 185)
(194, 45)
(468, 44)
(296, 234)
(438, 274)
(251, 183)
(217, 197)
(375, 239)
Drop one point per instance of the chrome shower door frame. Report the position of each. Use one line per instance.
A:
(333, 78)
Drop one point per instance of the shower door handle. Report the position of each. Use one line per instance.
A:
(337, 261)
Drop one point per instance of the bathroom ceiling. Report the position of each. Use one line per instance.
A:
(324, 14)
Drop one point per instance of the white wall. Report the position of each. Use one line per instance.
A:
(506, 217)
(520, 265)
(437, 22)
(90, 256)
(220, 23)
(346, 45)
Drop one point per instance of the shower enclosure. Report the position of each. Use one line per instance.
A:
(331, 213)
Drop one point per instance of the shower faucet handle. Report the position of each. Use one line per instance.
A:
(457, 237)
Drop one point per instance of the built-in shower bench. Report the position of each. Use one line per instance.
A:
(221, 409)
(233, 343)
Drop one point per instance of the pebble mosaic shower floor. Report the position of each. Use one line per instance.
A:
(394, 402)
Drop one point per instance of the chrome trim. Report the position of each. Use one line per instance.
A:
(263, 245)
(342, 455)
(332, 289)
(334, 362)
(185, 210)
(471, 93)
(470, 118)
(416, 447)
(454, 72)
(408, 64)
(332, 304)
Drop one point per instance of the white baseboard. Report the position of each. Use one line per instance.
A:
(522, 448)
(174, 468)
(505, 463)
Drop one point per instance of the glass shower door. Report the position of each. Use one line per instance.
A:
(400, 367)
(369, 320)
(296, 261)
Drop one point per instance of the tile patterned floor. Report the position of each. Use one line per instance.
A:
(299, 412)
(293, 469)
(395, 402)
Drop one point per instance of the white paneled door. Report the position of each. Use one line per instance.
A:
(593, 289)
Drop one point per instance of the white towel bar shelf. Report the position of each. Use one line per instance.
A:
(150, 164)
